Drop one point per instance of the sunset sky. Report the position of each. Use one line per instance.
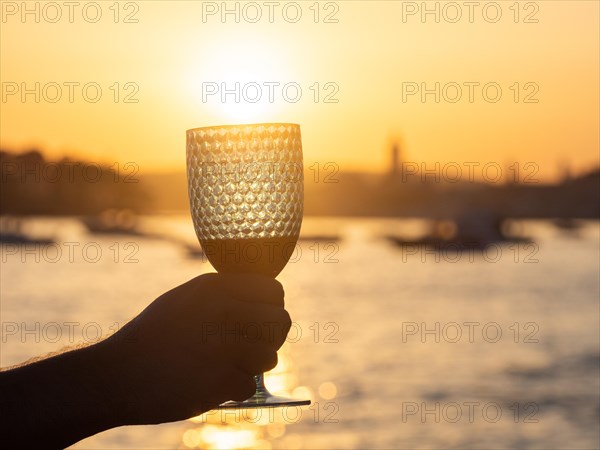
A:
(367, 58)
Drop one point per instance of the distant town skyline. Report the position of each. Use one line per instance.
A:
(33, 185)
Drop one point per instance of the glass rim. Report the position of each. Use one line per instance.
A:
(241, 125)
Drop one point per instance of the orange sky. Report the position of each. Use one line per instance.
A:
(367, 56)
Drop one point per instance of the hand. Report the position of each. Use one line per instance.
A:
(196, 346)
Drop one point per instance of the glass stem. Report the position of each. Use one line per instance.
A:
(261, 390)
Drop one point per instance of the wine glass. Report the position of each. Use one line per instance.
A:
(245, 184)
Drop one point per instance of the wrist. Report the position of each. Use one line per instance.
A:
(111, 381)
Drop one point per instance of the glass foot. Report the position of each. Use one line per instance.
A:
(262, 398)
(272, 401)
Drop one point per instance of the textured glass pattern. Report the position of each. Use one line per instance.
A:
(245, 181)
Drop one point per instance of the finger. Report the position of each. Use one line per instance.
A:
(253, 358)
(195, 295)
(232, 384)
(241, 322)
(258, 323)
(242, 387)
(253, 288)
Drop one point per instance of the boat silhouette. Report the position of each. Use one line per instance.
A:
(473, 230)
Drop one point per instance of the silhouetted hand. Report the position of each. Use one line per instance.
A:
(191, 349)
(199, 345)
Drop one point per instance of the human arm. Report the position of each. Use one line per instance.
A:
(183, 355)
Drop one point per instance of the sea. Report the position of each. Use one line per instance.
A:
(397, 347)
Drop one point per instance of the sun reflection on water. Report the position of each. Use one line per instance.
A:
(256, 428)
